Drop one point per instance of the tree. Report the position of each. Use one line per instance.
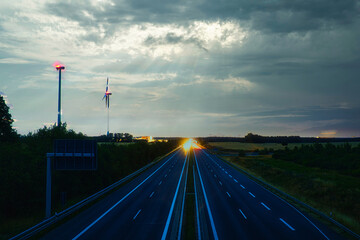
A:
(7, 133)
(254, 138)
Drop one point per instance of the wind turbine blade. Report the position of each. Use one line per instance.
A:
(108, 102)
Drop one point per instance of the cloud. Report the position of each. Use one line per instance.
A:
(13, 61)
(328, 133)
(265, 66)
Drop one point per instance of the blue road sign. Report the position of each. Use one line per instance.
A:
(75, 154)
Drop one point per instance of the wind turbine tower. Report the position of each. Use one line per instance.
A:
(107, 103)
(59, 67)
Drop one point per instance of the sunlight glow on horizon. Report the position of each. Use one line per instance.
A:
(191, 143)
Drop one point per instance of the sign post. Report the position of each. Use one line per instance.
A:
(69, 155)
(48, 187)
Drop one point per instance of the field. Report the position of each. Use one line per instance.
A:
(261, 146)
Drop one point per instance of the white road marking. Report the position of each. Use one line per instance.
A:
(160, 182)
(251, 194)
(98, 219)
(235, 180)
(230, 176)
(242, 213)
(151, 194)
(165, 175)
(220, 183)
(214, 175)
(293, 229)
(265, 206)
(242, 186)
(136, 214)
(228, 194)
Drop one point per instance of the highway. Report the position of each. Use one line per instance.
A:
(228, 205)
(239, 208)
(145, 208)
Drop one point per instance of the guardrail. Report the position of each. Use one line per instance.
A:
(58, 216)
(274, 189)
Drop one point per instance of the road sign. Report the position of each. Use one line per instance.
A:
(75, 154)
(69, 155)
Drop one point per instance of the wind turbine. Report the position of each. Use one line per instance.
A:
(107, 102)
(59, 67)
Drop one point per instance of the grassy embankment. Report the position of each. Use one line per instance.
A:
(335, 192)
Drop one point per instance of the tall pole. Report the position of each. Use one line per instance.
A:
(59, 68)
(59, 101)
(108, 121)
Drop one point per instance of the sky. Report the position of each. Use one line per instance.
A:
(184, 68)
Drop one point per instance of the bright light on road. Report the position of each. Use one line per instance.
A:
(191, 143)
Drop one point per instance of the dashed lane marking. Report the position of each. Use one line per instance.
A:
(288, 225)
(242, 213)
(265, 206)
(251, 194)
(136, 214)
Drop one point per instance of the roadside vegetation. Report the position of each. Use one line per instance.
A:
(325, 176)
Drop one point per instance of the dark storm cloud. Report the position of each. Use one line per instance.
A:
(172, 38)
(273, 16)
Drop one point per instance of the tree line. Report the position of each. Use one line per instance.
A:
(256, 138)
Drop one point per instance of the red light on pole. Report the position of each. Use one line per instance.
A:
(59, 67)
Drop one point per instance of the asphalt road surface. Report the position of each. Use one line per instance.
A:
(142, 209)
(228, 206)
(239, 208)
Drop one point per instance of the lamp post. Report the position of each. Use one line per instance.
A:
(59, 68)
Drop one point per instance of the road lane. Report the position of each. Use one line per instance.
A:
(243, 209)
(138, 210)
